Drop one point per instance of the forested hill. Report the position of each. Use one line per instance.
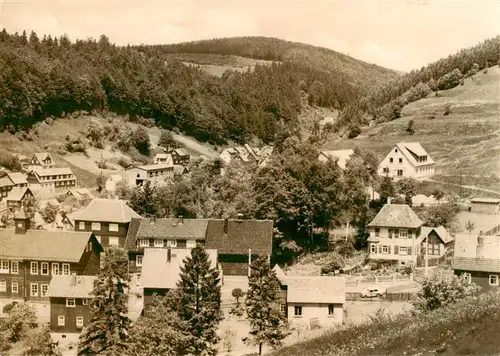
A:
(361, 74)
(45, 76)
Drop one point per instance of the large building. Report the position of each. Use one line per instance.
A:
(407, 160)
(51, 180)
(158, 174)
(485, 206)
(41, 160)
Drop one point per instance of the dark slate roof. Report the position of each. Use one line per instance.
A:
(396, 215)
(65, 246)
(241, 236)
(130, 241)
(476, 264)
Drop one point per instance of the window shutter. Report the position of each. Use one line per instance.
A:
(389, 249)
(380, 249)
(396, 250)
(409, 250)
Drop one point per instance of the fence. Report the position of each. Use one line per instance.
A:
(374, 280)
(387, 297)
(431, 262)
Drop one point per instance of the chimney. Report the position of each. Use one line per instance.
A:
(388, 200)
(169, 254)
(226, 223)
(21, 221)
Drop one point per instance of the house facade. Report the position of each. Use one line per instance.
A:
(18, 178)
(112, 182)
(53, 180)
(30, 258)
(478, 258)
(69, 298)
(107, 219)
(179, 157)
(6, 185)
(407, 160)
(485, 206)
(41, 159)
(157, 174)
(16, 197)
(163, 158)
(247, 155)
(340, 156)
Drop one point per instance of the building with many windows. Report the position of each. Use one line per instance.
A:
(407, 159)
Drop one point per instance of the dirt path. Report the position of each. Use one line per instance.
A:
(467, 186)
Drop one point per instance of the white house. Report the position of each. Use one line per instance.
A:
(41, 159)
(407, 159)
(111, 182)
(47, 182)
(163, 158)
(157, 174)
(341, 156)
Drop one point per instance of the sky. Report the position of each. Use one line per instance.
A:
(397, 34)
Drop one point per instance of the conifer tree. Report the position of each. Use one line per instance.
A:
(197, 303)
(143, 200)
(268, 324)
(107, 332)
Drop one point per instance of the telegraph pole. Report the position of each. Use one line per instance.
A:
(426, 255)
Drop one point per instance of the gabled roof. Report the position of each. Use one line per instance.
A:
(115, 178)
(279, 272)
(71, 286)
(342, 156)
(17, 178)
(18, 193)
(396, 215)
(410, 149)
(179, 170)
(440, 231)
(241, 236)
(154, 167)
(158, 272)
(5, 181)
(43, 245)
(485, 200)
(315, 289)
(52, 171)
(41, 156)
(108, 210)
(173, 229)
(477, 253)
(130, 240)
(180, 152)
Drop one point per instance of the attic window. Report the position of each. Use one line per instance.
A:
(396, 150)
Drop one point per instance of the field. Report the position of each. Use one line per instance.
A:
(465, 142)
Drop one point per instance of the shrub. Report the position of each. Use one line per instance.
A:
(447, 109)
(354, 131)
(345, 248)
(237, 293)
(450, 80)
(75, 145)
(124, 162)
(140, 140)
(102, 164)
(410, 129)
(49, 121)
(10, 162)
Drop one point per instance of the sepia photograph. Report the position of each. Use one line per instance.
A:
(249, 177)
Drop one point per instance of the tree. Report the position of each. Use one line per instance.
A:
(438, 194)
(167, 141)
(237, 293)
(386, 189)
(439, 290)
(107, 332)
(268, 324)
(31, 207)
(100, 182)
(197, 301)
(410, 129)
(49, 213)
(39, 342)
(408, 188)
(20, 320)
(143, 200)
(470, 225)
(157, 333)
(439, 215)
(140, 140)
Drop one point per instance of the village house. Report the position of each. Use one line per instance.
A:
(247, 155)
(16, 197)
(69, 298)
(477, 256)
(6, 185)
(53, 181)
(163, 158)
(485, 206)
(162, 267)
(179, 157)
(340, 156)
(236, 241)
(18, 178)
(29, 259)
(9, 181)
(407, 160)
(108, 219)
(41, 160)
(312, 300)
(157, 174)
(81, 195)
(112, 182)
(398, 234)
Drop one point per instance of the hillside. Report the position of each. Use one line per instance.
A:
(467, 141)
(469, 327)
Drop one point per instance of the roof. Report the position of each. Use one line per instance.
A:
(20, 214)
(241, 236)
(396, 215)
(315, 289)
(410, 149)
(71, 286)
(180, 152)
(473, 254)
(279, 272)
(43, 245)
(155, 167)
(17, 177)
(173, 229)
(179, 169)
(342, 156)
(130, 240)
(158, 272)
(41, 156)
(109, 210)
(5, 181)
(485, 200)
(17, 193)
(52, 171)
(162, 155)
(440, 231)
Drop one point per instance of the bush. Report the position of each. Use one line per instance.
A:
(10, 162)
(345, 248)
(75, 145)
(450, 80)
(124, 162)
(354, 131)
(410, 129)
(447, 109)
(140, 140)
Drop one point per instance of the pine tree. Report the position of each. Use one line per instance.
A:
(143, 200)
(268, 324)
(107, 332)
(197, 303)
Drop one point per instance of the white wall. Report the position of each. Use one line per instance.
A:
(406, 166)
(385, 240)
(131, 176)
(317, 310)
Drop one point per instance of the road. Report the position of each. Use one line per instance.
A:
(466, 186)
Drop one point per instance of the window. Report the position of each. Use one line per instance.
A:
(191, 244)
(171, 243)
(60, 320)
(4, 266)
(70, 302)
(144, 243)
(34, 289)
(81, 225)
(403, 233)
(3, 286)
(373, 248)
(96, 226)
(403, 250)
(55, 269)
(331, 309)
(377, 231)
(493, 280)
(113, 241)
(391, 159)
(400, 160)
(113, 227)
(34, 268)
(43, 289)
(400, 172)
(15, 287)
(85, 301)
(138, 260)
(65, 269)
(467, 276)
(298, 310)
(396, 233)
(158, 243)
(386, 170)
(385, 249)
(44, 268)
(396, 150)
(79, 321)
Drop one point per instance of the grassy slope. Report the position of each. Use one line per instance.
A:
(467, 139)
(469, 327)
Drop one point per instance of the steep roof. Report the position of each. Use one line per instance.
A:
(155, 167)
(71, 286)
(180, 152)
(485, 200)
(5, 181)
(52, 171)
(158, 272)
(315, 289)
(440, 231)
(342, 156)
(43, 245)
(41, 156)
(17, 193)
(17, 177)
(109, 210)
(410, 149)
(173, 228)
(130, 240)
(396, 215)
(279, 272)
(241, 236)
